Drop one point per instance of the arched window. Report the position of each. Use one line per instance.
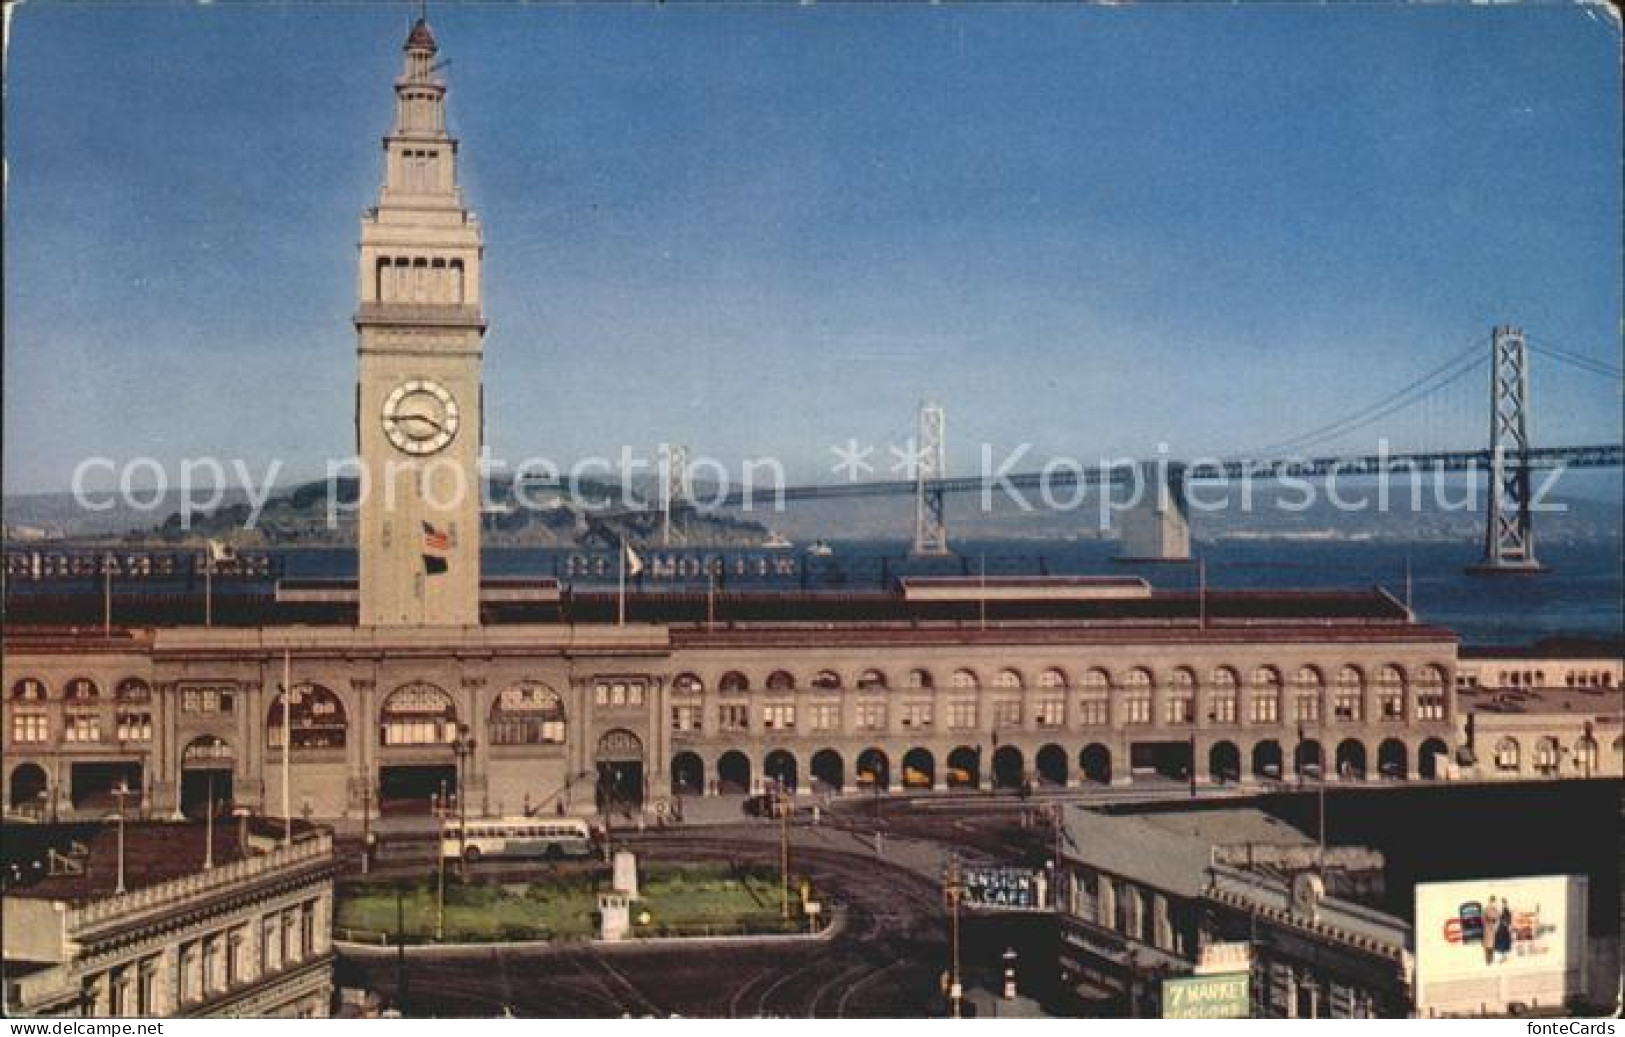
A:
(1179, 702)
(1507, 755)
(1430, 693)
(781, 680)
(1265, 702)
(30, 719)
(1585, 755)
(1390, 684)
(1137, 696)
(1224, 689)
(1547, 755)
(827, 680)
(1307, 687)
(1348, 700)
(687, 684)
(81, 689)
(417, 714)
(29, 689)
(318, 717)
(1097, 680)
(528, 713)
(133, 689)
(734, 683)
(964, 679)
(871, 680)
(918, 679)
(1052, 678)
(1007, 679)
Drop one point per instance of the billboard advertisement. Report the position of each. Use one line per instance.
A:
(1206, 997)
(1008, 889)
(1485, 944)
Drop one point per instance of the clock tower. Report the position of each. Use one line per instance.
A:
(420, 324)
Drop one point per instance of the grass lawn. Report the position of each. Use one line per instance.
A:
(679, 900)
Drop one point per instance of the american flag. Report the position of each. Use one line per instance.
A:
(435, 539)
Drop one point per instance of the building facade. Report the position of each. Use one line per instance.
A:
(245, 933)
(561, 712)
(1541, 715)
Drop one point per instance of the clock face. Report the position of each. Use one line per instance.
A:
(420, 416)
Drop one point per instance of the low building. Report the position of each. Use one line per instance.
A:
(168, 919)
(1528, 714)
(1150, 901)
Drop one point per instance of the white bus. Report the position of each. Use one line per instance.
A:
(509, 837)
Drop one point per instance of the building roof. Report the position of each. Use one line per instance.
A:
(698, 617)
(86, 855)
(420, 37)
(1130, 847)
(1578, 702)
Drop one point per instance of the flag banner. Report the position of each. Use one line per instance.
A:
(434, 565)
(435, 539)
(634, 564)
(219, 552)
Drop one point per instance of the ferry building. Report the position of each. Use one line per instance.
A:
(422, 679)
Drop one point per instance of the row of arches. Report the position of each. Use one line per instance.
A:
(1008, 767)
(1431, 677)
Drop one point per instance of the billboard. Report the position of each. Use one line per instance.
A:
(1008, 889)
(1485, 944)
(1206, 997)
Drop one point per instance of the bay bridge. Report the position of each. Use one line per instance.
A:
(1156, 521)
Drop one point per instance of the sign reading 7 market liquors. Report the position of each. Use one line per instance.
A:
(1206, 997)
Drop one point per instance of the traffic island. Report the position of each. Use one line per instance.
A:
(674, 901)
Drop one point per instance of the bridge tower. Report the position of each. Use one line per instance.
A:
(931, 464)
(674, 487)
(1509, 536)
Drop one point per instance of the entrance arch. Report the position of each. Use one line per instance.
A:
(207, 763)
(1351, 759)
(1392, 759)
(1009, 768)
(1307, 759)
(919, 769)
(733, 772)
(828, 769)
(1267, 759)
(964, 768)
(27, 787)
(619, 758)
(1096, 763)
(687, 774)
(780, 766)
(1050, 762)
(874, 769)
(1427, 758)
(1224, 762)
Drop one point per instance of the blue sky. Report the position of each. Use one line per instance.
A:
(761, 230)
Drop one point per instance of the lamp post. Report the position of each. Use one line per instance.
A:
(119, 792)
(953, 890)
(463, 746)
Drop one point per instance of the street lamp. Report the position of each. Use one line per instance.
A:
(953, 890)
(463, 746)
(119, 792)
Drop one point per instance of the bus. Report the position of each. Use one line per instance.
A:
(513, 837)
